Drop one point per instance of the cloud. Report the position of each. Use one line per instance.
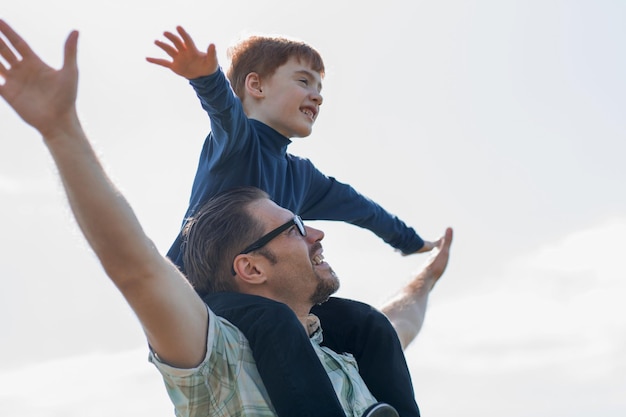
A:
(549, 334)
(598, 250)
(559, 304)
(94, 385)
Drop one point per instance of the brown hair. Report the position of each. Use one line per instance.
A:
(216, 233)
(263, 55)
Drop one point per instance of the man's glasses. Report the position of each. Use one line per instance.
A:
(265, 239)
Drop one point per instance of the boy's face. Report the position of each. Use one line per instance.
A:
(290, 99)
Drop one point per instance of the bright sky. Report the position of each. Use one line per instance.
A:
(503, 119)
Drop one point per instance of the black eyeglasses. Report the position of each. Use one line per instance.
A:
(265, 239)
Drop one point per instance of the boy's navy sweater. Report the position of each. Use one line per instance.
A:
(241, 151)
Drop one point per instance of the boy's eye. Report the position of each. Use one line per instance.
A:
(304, 81)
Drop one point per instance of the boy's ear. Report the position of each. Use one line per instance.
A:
(248, 270)
(253, 85)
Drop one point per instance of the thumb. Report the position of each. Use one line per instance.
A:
(71, 46)
(211, 51)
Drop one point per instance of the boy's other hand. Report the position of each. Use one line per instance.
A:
(428, 246)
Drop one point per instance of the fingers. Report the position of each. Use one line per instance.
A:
(447, 238)
(211, 51)
(438, 261)
(172, 51)
(186, 38)
(162, 62)
(444, 241)
(16, 42)
(71, 45)
(5, 51)
(167, 48)
(178, 43)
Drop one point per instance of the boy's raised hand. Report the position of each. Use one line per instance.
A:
(42, 96)
(187, 60)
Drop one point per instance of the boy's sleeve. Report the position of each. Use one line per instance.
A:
(229, 123)
(329, 199)
(230, 135)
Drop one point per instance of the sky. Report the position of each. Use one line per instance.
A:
(502, 119)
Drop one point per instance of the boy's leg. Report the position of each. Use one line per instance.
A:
(366, 333)
(291, 371)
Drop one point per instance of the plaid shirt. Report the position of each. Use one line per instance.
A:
(227, 383)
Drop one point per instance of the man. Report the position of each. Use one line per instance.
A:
(204, 360)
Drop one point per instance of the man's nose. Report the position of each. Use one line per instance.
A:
(313, 234)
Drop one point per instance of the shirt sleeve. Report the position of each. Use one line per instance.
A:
(187, 388)
(225, 383)
(330, 199)
(229, 124)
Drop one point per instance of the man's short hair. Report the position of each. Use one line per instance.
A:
(215, 235)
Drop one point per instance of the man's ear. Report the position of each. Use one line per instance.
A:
(253, 85)
(248, 270)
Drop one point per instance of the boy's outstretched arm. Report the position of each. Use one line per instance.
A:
(173, 316)
(187, 60)
(407, 309)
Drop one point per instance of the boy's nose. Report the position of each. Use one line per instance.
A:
(317, 98)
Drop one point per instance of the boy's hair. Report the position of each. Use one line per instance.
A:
(264, 54)
(215, 234)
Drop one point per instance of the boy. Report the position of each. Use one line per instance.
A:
(277, 83)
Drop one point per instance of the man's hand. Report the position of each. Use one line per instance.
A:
(187, 60)
(407, 310)
(44, 97)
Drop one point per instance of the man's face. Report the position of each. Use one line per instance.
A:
(291, 99)
(297, 272)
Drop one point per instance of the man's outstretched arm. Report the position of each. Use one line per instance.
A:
(172, 315)
(407, 309)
